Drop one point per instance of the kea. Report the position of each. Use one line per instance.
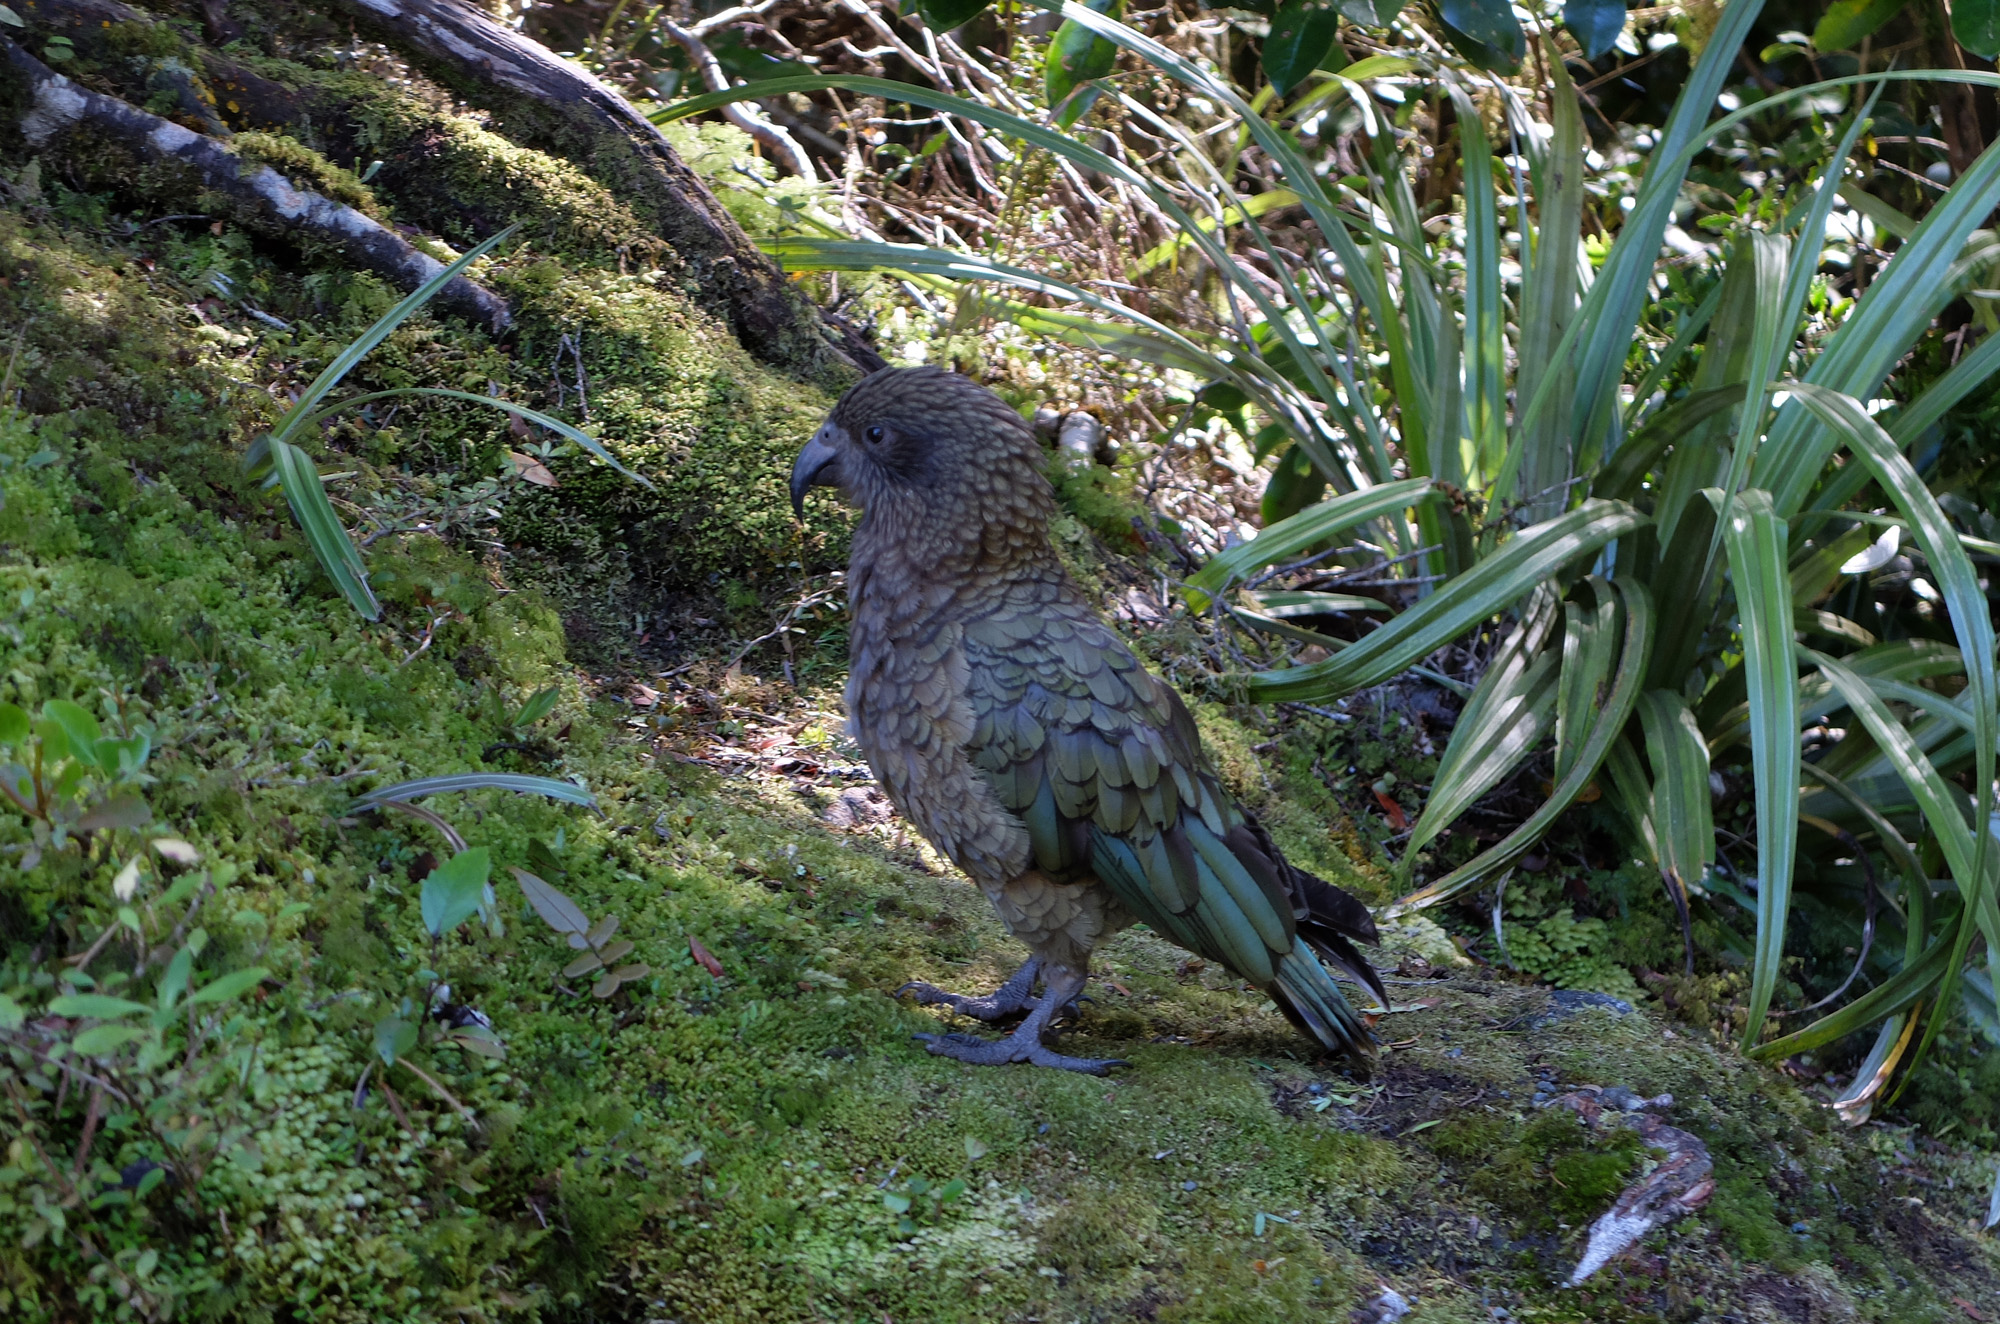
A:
(1010, 724)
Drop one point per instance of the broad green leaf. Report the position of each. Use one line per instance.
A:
(1076, 55)
(568, 792)
(101, 1040)
(944, 15)
(1756, 540)
(120, 811)
(551, 903)
(79, 728)
(1594, 23)
(12, 1016)
(1500, 725)
(175, 979)
(1302, 32)
(1633, 653)
(477, 1038)
(1289, 537)
(1503, 578)
(1485, 344)
(1682, 815)
(539, 705)
(123, 758)
(1976, 24)
(394, 1038)
(1493, 35)
(455, 890)
(1541, 454)
(225, 987)
(94, 1006)
(1846, 22)
(14, 726)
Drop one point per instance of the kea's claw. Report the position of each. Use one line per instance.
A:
(1010, 999)
(993, 1053)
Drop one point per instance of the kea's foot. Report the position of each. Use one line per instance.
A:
(1025, 1044)
(1008, 1000)
(1000, 1052)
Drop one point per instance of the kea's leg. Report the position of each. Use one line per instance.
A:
(1025, 1044)
(998, 1005)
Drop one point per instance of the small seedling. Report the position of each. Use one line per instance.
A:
(601, 953)
(70, 778)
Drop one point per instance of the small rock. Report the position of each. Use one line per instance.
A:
(859, 806)
(1386, 1307)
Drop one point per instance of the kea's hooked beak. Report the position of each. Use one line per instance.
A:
(818, 466)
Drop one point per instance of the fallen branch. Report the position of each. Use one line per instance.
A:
(775, 140)
(260, 197)
(1681, 1184)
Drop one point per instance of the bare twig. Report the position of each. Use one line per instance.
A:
(780, 144)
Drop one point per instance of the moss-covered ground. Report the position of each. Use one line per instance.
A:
(765, 1143)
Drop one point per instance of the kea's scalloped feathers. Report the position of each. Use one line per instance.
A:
(1009, 722)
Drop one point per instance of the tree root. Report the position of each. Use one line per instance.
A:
(259, 196)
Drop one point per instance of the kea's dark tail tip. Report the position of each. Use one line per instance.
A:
(1333, 923)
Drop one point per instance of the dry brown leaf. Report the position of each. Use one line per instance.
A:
(532, 469)
(704, 956)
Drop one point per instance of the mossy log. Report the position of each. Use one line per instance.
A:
(572, 113)
(255, 194)
(546, 103)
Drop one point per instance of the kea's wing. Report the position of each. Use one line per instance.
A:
(1103, 763)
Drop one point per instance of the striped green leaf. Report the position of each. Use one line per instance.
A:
(568, 432)
(1288, 537)
(1972, 622)
(1633, 654)
(1500, 725)
(1681, 812)
(1535, 554)
(1589, 646)
(568, 792)
(1756, 540)
(299, 477)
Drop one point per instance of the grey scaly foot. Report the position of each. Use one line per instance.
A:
(1025, 1044)
(1000, 1052)
(1008, 1000)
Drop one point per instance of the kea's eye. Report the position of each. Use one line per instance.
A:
(874, 435)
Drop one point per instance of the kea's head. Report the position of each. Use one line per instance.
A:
(929, 456)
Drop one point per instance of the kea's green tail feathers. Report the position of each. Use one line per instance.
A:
(1311, 1000)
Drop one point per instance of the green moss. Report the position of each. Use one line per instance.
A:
(307, 169)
